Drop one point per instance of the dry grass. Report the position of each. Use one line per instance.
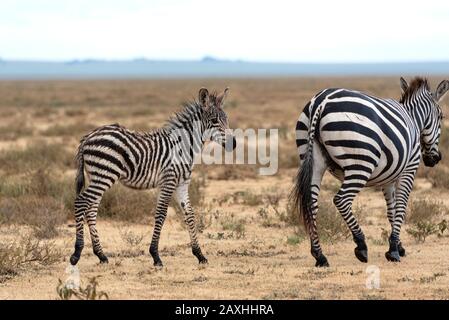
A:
(255, 242)
(17, 255)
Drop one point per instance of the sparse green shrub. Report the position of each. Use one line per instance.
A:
(26, 250)
(331, 226)
(132, 239)
(15, 130)
(237, 226)
(123, 203)
(247, 198)
(90, 292)
(439, 177)
(422, 217)
(35, 156)
(425, 210)
(295, 239)
(422, 229)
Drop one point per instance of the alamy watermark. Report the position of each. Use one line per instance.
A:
(249, 147)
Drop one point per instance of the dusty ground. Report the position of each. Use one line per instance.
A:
(256, 262)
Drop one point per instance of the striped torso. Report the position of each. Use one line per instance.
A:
(362, 134)
(138, 160)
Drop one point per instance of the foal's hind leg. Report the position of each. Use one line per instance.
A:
(165, 195)
(351, 186)
(86, 206)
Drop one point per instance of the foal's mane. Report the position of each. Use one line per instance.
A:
(188, 109)
(416, 84)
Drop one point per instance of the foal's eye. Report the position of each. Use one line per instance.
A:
(214, 120)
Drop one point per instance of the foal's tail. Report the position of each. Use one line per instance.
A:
(301, 194)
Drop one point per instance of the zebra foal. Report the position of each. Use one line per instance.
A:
(366, 141)
(163, 158)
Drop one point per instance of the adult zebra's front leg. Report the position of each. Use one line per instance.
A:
(182, 198)
(351, 186)
(165, 194)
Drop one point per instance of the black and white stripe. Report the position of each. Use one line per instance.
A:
(366, 141)
(162, 159)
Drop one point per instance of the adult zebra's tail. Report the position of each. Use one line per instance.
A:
(79, 180)
(301, 194)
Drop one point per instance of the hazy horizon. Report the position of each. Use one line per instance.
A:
(285, 31)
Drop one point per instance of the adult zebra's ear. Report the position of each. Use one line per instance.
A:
(404, 85)
(442, 89)
(203, 97)
(222, 97)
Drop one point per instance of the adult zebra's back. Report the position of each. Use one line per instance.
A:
(163, 158)
(366, 141)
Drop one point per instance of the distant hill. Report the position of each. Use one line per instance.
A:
(207, 67)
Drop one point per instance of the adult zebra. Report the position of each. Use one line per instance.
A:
(366, 141)
(163, 158)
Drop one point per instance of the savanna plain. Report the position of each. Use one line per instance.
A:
(254, 242)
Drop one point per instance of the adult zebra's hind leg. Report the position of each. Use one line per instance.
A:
(389, 192)
(80, 208)
(307, 190)
(351, 186)
(182, 198)
(403, 189)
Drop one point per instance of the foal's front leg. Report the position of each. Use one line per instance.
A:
(182, 198)
(165, 195)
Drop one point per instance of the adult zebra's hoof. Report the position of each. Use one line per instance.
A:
(361, 254)
(74, 259)
(321, 261)
(401, 250)
(393, 256)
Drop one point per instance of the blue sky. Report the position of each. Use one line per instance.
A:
(281, 30)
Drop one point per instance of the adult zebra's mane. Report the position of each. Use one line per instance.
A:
(415, 85)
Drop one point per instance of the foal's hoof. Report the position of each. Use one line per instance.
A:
(158, 264)
(74, 259)
(361, 254)
(393, 256)
(401, 250)
(321, 261)
(203, 260)
(103, 259)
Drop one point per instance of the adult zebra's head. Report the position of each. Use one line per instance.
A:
(216, 119)
(424, 102)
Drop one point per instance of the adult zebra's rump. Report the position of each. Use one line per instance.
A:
(366, 141)
(161, 159)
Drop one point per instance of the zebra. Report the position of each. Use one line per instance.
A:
(364, 140)
(162, 158)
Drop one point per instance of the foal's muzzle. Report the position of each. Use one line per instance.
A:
(430, 160)
(230, 143)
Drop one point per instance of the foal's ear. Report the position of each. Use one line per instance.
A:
(222, 97)
(441, 90)
(404, 85)
(203, 97)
